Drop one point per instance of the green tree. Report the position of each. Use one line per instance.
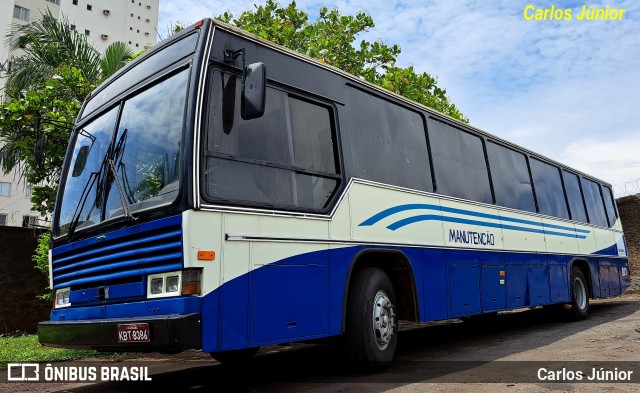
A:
(49, 43)
(50, 80)
(58, 100)
(41, 259)
(332, 39)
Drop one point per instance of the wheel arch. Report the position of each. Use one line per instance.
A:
(583, 265)
(399, 270)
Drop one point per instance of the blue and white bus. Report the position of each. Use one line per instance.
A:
(223, 193)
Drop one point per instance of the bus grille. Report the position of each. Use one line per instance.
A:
(124, 255)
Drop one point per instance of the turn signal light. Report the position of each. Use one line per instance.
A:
(191, 280)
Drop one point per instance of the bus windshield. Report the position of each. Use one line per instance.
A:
(127, 159)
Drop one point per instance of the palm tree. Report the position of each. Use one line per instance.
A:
(49, 43)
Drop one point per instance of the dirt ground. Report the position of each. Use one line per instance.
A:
(503, 355)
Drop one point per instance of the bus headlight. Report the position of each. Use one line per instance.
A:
(173, 283)
(183, 282)
(156, 285)
(62, 297)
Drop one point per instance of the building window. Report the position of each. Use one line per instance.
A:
(75, 2)
(5, 189)
(137, 45)
(89, 7)
(28, 191)
(137, 31)
(132, 14)
(20, 13)
(73, 27)
(87, 32)
(29, 221)
(3, 220)
(131, 28)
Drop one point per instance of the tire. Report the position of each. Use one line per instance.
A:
(235, 357)
(579, 295)
(371, 327)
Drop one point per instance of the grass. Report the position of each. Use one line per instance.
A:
(26, 348)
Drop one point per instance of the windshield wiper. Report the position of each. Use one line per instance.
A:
(83, 200)
(125, 204)
(117, 151)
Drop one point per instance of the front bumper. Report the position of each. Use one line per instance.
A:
(168, 333)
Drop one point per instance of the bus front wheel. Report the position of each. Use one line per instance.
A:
(371, 326)
(579, 295)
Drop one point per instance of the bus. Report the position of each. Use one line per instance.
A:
(224, 193)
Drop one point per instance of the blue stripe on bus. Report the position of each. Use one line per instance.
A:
(432, 217)
(419, 206)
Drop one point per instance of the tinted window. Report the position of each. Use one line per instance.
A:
(510, 177)
(546, 179)
(574, 196)
(458, 163)
(388, 142)
(609, 204)
(593, 199)
(286, 158)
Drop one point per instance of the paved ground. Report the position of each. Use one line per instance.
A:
(454, 357)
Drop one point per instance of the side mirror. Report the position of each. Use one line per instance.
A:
(38, 151)
(81, 161)
(254, 91)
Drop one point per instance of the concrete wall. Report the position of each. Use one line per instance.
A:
(20, 282)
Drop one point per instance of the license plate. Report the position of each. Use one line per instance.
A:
(134, 333)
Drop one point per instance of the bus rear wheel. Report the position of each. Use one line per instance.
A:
(579, 295)
(371, 326)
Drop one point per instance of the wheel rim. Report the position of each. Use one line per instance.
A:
(384, 320)
(580, 293)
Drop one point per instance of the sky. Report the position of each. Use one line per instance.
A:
(567, 89)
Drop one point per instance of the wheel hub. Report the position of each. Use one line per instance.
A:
(384, 319)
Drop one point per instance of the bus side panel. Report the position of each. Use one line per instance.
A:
(517, 280)
(340, 259)
(594, 270)
(288, 298)
(435, 291)
(234, 296)
(463, 269)
(493, 276)
(558, 278)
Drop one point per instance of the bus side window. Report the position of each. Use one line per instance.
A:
(574, 196)
(388, 142)
(459, 163)
(510, 176)
(595, 205)
(609, 205)
(546, 179)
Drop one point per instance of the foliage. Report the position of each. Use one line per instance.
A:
(332, 39)
(50, 80)
(59, 100)
(41, 258)
(48, 44)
